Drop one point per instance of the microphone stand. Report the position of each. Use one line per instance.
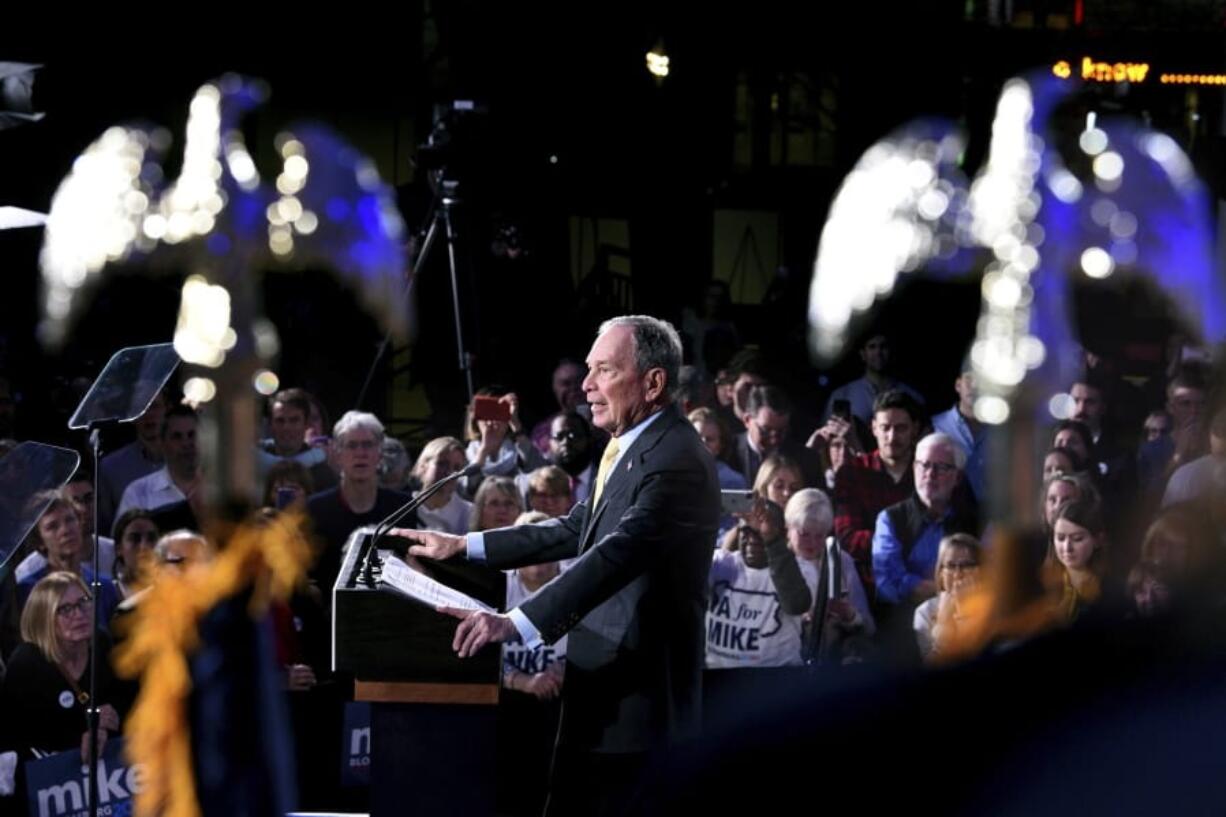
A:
(92, 721)
(369, 558)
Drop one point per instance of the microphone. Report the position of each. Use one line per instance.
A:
(413, 504)
(369, 558)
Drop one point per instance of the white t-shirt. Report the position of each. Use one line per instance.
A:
(745, 626)
(452, 517)
(517, 656)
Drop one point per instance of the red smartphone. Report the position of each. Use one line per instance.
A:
(489, 408)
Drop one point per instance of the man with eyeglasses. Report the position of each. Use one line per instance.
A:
(358, 500)
(568, 391)
(908, 534)
(571, 449)
(768, 418)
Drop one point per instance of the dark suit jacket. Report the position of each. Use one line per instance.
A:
(748, 461)
(635, 601)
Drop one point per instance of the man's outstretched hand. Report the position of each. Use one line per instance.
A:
(431, 544)
(478, 628)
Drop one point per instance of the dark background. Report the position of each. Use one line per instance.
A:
(571, 85)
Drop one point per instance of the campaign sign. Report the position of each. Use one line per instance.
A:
(355, 754)
(56, 784)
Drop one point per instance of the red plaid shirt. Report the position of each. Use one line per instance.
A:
(863, 489)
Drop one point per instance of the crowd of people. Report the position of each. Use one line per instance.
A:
(864, 534)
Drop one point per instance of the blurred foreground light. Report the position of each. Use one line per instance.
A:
(1109, 166)
(657, 62)
(1097, 263)
(1061, 406)
(1093, 141)
(204, 320)
(266, 382)
(199, 390)
(991, 410)
(267, 343)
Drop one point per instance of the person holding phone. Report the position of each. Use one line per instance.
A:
(496, 438)
(863, 392)
(287, 482)
(835, 443)
(778, 479)
(754, 618)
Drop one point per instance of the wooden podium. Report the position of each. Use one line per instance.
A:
(433, 730)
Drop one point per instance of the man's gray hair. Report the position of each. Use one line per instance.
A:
(656, 345)
(353, 420)
(162, 548)
(940, 438)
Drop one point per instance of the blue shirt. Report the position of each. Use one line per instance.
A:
(955, 425)
(861, 393)
(475, 542)
(895, 577)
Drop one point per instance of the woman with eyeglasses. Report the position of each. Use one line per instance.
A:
(135, 534)
(46, 690)
(496, 505)
(548, 490)
(957, 572)
(446, 510)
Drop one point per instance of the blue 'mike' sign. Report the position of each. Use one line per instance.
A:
(355, 754)
(56, 784)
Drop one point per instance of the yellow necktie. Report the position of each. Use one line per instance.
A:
(602, 473)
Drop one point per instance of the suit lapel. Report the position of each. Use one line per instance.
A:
(625, 472)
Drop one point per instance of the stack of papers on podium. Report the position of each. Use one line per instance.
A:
(417, 585)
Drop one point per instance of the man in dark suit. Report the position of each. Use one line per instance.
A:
(635, 600)
(768, 418)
